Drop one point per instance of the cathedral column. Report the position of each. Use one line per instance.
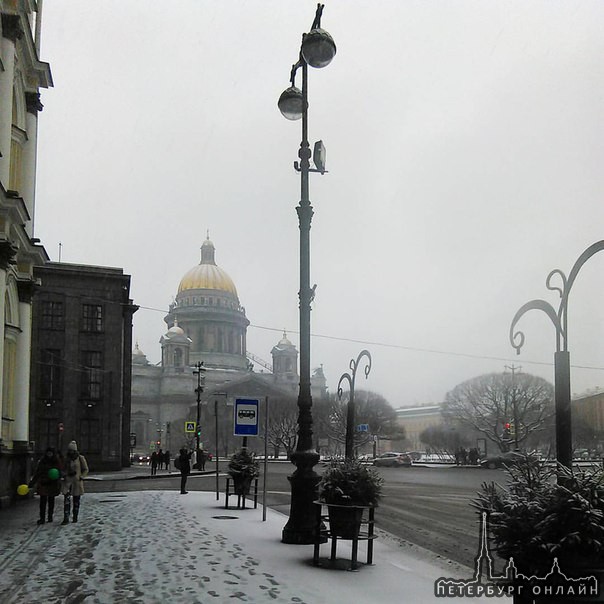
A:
(28, 174)
(7, 253)
(11, 32)
(23, 364)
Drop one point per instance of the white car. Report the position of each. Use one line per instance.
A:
(393, 459)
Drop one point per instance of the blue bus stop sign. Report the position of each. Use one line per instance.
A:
(246, 417)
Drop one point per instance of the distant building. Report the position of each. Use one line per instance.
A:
(206, 323)
(415, 420)
(81, 370)
(588, 410)
(22, 75)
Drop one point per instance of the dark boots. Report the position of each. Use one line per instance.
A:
(51, 508)
(76, 507)
(66, 509)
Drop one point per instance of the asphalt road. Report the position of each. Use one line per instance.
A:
(426, 506)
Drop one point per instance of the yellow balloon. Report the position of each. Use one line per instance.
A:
(22, 489)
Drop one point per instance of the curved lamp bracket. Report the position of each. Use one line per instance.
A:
(559, 319)
(517, 337)
(354, 365)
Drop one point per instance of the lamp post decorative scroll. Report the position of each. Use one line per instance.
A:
(317, 50)
(559, 319)
(350, 411)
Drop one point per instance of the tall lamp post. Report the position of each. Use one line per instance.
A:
(350, 411)
(559, 319)
(199, 372)
(317, 50)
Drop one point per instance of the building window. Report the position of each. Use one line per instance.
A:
(16, 166)
(177, 357)
(52, 315)
(92, 377)
(90, 435)
(8, 388)
(92, 315)
(50, 387)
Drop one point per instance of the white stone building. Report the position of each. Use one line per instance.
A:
(22, 75)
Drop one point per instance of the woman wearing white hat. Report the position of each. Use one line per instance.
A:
(76, 469)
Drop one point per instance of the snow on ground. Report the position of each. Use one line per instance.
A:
(162, 547)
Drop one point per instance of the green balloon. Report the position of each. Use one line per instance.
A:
(53, 474)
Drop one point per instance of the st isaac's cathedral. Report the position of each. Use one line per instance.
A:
(206, 323)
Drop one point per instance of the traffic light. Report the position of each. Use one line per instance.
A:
(507, 430)
(198, 431)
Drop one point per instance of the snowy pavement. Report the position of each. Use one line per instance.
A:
(162, 547)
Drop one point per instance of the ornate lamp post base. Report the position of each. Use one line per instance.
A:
(301, 526)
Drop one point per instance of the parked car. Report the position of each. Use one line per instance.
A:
(365, 457)
(393, 459)
(504, 460)
(140, 459)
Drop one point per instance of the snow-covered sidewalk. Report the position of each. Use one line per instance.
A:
(162, 547)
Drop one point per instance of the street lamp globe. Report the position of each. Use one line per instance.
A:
(291, 103)
(318, 48)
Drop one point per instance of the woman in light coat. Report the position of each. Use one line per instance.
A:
(76, 469)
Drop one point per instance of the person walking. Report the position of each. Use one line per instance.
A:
(154, 463)
(76, 469)
(47, 479)
(167, 461)
(185, 469)
(202, 457)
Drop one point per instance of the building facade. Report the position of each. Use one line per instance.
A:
(81, 371)
(415, 420)
(22, 75)
(206, 323)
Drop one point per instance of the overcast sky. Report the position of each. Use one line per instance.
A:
(465, 149)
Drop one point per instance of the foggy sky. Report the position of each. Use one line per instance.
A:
(464, 146)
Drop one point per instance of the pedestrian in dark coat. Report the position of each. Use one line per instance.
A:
(202, 457)
(185, 469)
(154, 463)
(47, 479)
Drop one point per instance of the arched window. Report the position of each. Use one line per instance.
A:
(177, 357)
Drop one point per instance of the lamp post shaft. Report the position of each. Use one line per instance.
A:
(305, 214)
(199, 368)
(350, 416)
(300, 527)
(564, 447)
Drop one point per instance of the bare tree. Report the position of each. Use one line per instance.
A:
(443, 440)
(371, 409)
(505, 408)
(283, 425)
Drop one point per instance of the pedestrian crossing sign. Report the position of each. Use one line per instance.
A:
(190, 426)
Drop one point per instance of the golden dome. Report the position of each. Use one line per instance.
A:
(206, 275)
